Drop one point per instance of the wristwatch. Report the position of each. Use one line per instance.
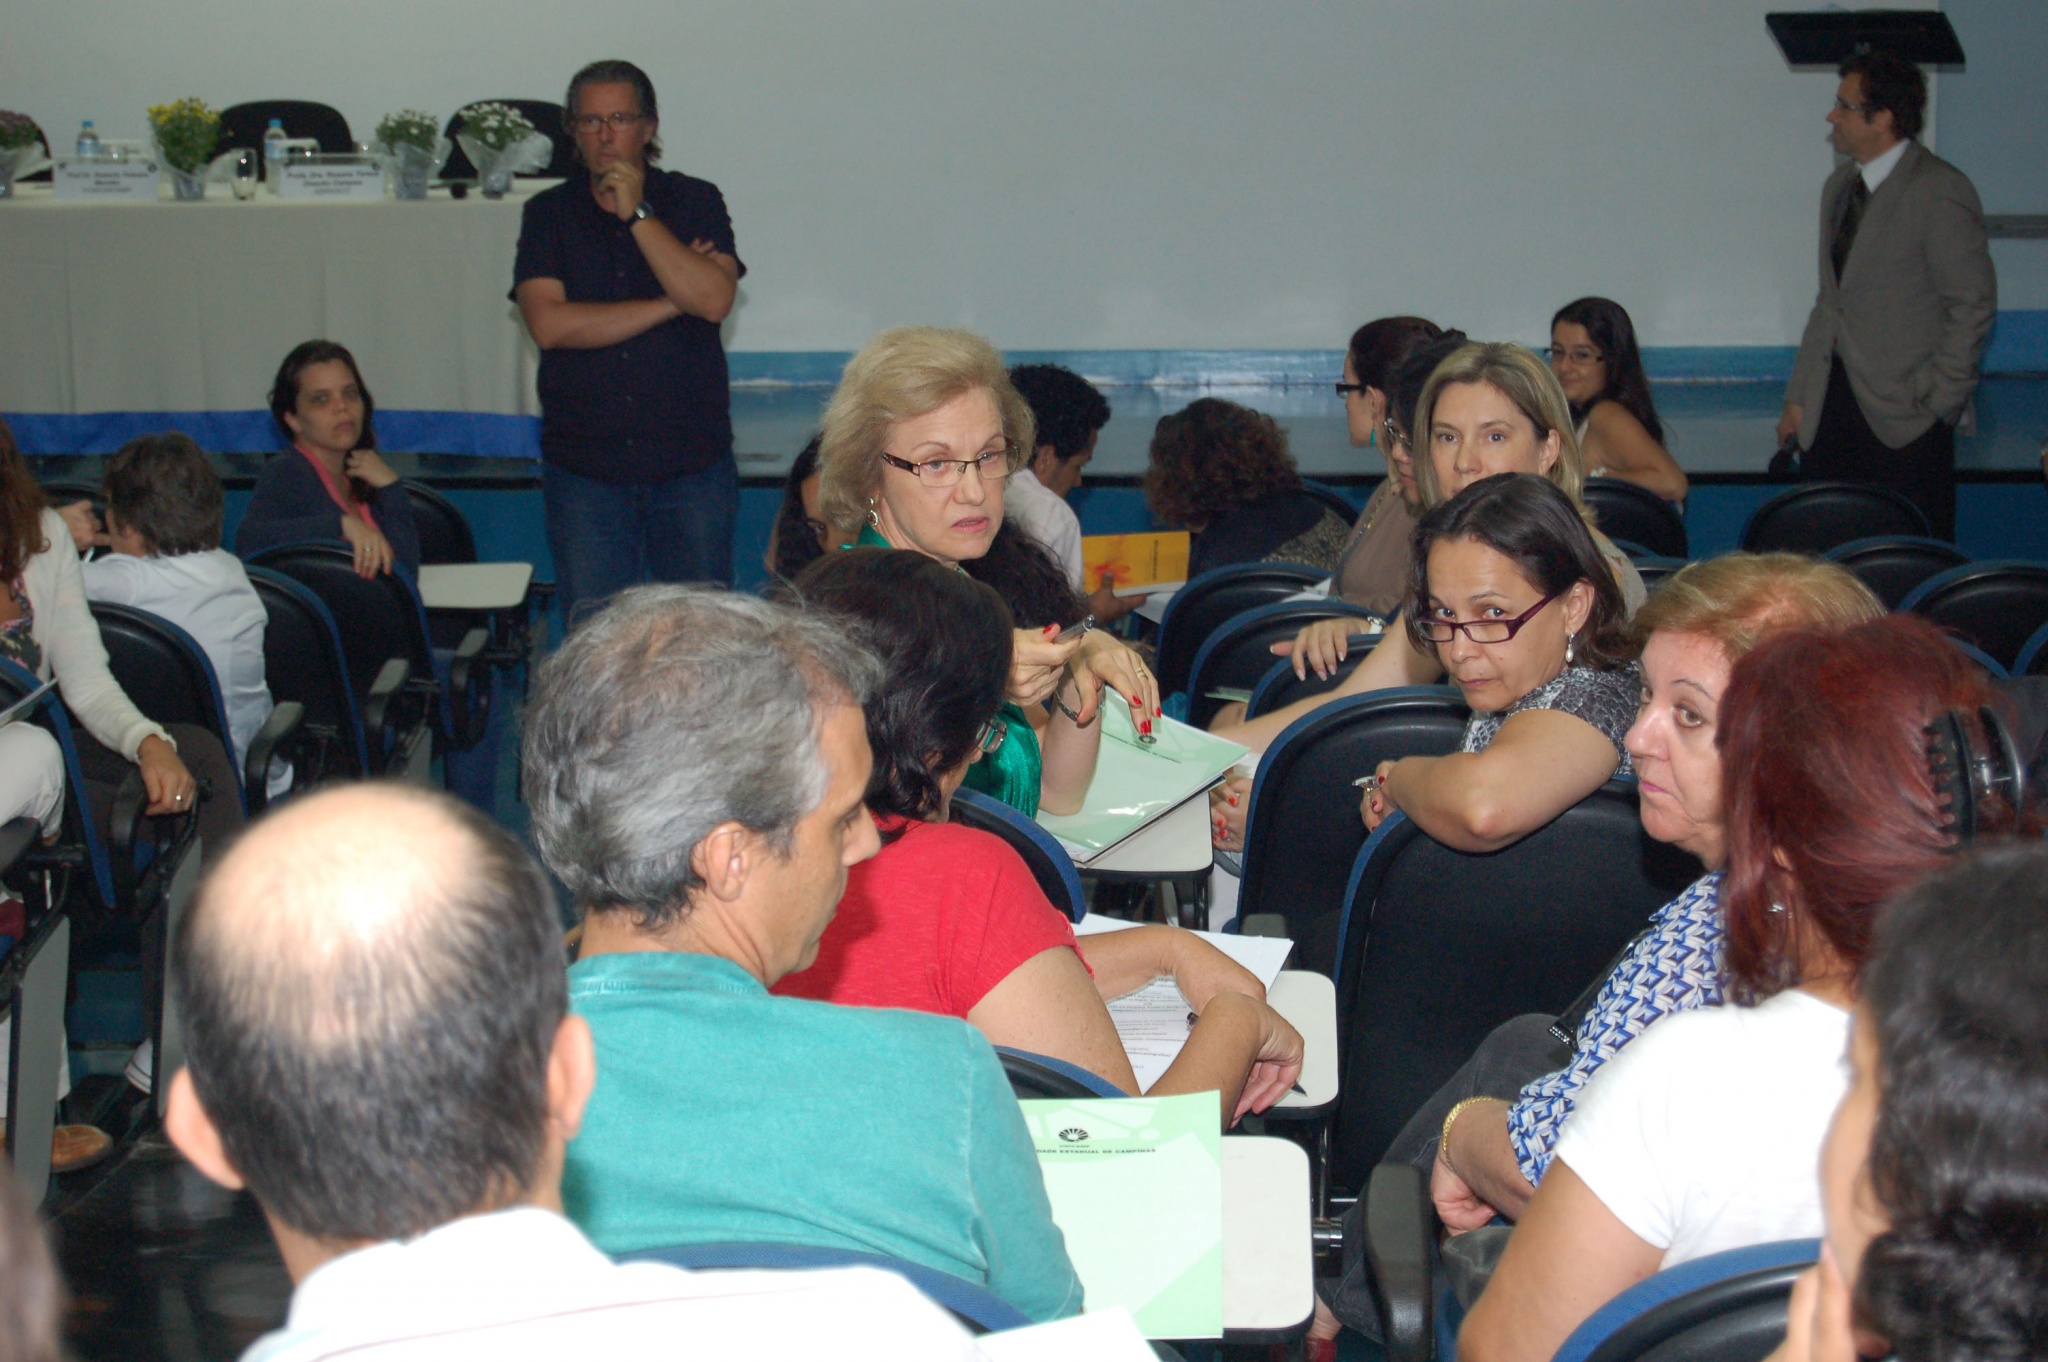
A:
(643, 212)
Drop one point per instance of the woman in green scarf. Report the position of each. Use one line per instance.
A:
(918, 442)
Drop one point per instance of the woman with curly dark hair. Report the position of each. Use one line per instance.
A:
(1223, 472)
(1934, 1177)
(1594, 354)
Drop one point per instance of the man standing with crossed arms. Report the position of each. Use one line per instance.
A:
(623, 276)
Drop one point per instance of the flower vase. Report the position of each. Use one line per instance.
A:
(16, 162)
(6, 180)
(412, 168)
(186, 186)
(496, 184)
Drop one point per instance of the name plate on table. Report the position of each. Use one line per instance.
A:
(344, 178)
(106, 181)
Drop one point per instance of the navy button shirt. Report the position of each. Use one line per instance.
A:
(656, 406)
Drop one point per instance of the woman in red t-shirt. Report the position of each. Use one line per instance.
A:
(947, 918)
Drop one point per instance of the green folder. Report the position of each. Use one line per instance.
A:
(1135, 782)
(1136, 1185)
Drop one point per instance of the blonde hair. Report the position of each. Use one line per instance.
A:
(1739, 599)
(900, 375)
(1525, 381)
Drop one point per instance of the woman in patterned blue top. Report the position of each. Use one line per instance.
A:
(1503, 1111)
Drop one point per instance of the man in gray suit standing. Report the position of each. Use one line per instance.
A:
(1907, 298)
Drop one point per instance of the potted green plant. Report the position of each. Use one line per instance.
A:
(499, 141)
(411, 140)
(21, 149)
(186, 134)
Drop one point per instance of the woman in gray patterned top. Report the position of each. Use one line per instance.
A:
(1510, 591)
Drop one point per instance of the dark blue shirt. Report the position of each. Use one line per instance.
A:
(650, 408)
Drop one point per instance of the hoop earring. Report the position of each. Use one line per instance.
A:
(874, 521)
(1570, 647)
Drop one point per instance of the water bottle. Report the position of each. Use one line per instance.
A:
(273, 154)
(89, 148)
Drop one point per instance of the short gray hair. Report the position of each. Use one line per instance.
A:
(673, 710)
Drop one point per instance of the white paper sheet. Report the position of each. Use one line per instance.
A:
(1154, 1022)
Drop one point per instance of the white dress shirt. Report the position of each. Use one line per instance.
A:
(1045, 516)
(526, 1284)
(1877, 169)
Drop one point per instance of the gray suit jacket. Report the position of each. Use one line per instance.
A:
(1913, 309)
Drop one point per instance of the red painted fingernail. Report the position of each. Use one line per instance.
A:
(1233, 799)
(1145, 726)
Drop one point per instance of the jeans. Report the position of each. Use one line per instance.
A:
(607, 536)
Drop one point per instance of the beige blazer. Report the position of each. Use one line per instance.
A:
(1913, 310)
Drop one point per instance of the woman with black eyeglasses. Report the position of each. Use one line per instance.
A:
(1593, 352)
(1511, 593)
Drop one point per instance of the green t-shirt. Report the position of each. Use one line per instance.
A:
(725, 1115)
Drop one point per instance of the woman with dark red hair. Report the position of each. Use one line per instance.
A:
(1704, 1134)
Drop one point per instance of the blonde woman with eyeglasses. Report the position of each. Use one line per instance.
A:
(919, 442)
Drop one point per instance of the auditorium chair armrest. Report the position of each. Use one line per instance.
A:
(390, 682)
(285, 718)
(466, 654)
(130, 799)
(469, 686)
(1399, 1221)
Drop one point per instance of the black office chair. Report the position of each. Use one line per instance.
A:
(146, 873)
(42, 176)
(33, 975)
(1280, 687)
(1034, 1075)
(381, 618)
(2033, 658)
(169, 677)
(1892, 565)
(1047, 860)
(1340, 505)
(1438, 947)
(1302, 830)
(243, 125)
(1817, 516)
(1995, 605)
(1654, 570)
(304, 663)
(1213, 597)
(1638, 515)
(545, 115)
(1239, 652)
(445, 537)
(1724, 1307)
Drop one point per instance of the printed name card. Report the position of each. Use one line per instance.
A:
(133, 181)
(312, 178)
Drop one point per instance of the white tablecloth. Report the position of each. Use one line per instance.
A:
(174, 307)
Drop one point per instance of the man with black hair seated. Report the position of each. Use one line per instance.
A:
(379, 1049)
(1070, 415)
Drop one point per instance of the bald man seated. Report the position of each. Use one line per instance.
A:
(379, 1049)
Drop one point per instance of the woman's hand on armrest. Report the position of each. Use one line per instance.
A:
(1320, 645)
(1477, 1175)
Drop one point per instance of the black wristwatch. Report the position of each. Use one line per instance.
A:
(643, 212)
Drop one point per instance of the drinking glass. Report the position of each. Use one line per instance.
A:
(247, 168)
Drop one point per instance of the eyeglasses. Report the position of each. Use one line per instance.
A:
(1346, 389)
(1395, 433)
(1577, 354)
(619, 121)
(1481, 631)
(990, 739)
(818, 528)
(993, 465)
(1864, 109)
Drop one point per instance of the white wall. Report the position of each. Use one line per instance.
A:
(1105, 173)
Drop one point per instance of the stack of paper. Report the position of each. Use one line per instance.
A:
(1136, 1185)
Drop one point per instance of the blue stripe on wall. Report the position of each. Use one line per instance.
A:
(2019, 344)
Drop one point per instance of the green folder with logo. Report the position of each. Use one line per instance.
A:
(1136, 1185)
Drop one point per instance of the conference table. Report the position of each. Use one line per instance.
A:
(189, 307)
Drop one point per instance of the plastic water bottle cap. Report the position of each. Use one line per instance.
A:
(277, 123)
(88, 122)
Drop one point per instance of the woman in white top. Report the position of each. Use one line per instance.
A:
(1705, 1132)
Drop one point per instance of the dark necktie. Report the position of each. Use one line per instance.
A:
(1852, 218)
